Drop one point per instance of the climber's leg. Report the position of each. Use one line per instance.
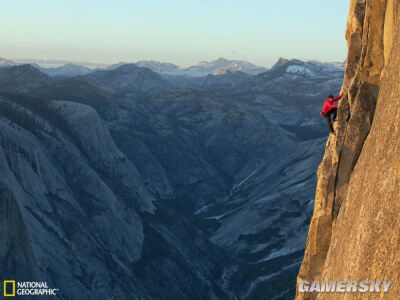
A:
(334, 112)
(328, 120)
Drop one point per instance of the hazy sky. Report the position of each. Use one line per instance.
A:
(178, 31)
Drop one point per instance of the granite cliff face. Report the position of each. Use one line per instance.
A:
(75, 212)
(354, 230)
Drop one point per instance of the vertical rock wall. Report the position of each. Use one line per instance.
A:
(353, 231)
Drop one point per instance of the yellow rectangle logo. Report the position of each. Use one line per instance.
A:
(8, 282)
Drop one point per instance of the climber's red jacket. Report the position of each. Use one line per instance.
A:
(329, 104)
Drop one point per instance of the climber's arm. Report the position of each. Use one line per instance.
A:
(337, 98)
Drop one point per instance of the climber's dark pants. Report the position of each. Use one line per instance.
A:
(333, 112)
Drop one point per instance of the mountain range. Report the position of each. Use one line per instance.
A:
(59, 68)
(150, 187)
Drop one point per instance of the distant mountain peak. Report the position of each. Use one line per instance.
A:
(127, 67)
(304, 68)
(25, 68)
(216, 66)
(21, 78)
(158, 66)
(221, 59)
(67, 70)
(6, 62)
(127, 79)
(284, 61)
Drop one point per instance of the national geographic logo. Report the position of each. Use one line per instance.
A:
(11, 288)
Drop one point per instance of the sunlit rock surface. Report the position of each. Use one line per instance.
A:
(354, 231)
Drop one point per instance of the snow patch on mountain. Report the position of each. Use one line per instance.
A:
(217, 66)
(6, 62)
(299, 70)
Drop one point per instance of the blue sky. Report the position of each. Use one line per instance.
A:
(178, 31)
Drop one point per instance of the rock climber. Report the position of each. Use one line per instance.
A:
(330, 108)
